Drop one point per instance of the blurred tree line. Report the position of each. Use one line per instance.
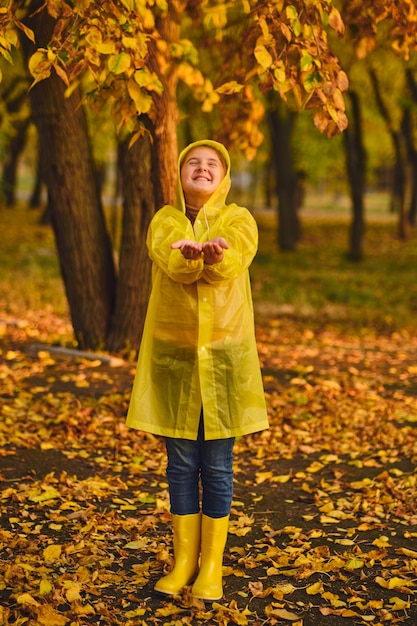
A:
(304, 90)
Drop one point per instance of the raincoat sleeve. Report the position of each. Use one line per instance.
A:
(239, 229)
(167, 226)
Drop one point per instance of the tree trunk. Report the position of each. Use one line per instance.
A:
(399, 185)
(100, 319)
(136, 165)
(164, 125)
(412, 210)
(408, 129)
(36, 195)
(399, 178)
(14, 150)
(355, 165)
(280, 125)
(77, 218)
(14, 96)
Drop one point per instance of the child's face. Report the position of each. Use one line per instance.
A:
(201, 173)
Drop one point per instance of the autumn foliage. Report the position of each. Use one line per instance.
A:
(132, 51)
(129, 51)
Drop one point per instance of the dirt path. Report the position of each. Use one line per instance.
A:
(323, 525)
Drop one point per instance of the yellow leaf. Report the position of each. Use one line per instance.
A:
(26, 598)
(45, 587)
(399, 582)
(52, 553)
(84, 609)
(210, 100)
(137, 545)
(261, 477)
(263, 56)
(398, 604)
(149, 80)
(39, 66)
(333, 599)
(315, 588)
(382, 582)
(28, 32)
(314, 467)
(349, 613)
(106, 47)
(281, 614)
(35, 62)
(279, 591)
(48, 616)
(62, 74)
(285, 31)
(354, 563)
(407, 552)
(141, 99)
(130, 42)
(136, 613)
(44, 496)
(240, 532)
(230, 87)
(331, 384)
(325, 519)
(167, 610)
(162, 504)
(381, 542)
(336, 22)
(283, 478)
(215, 17)
(119, 63)
(72, 592)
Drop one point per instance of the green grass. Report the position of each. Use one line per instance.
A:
(30, 277)
(316, 285)
(319, 283)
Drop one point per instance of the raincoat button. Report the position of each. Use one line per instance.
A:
(203, 349)
(204, 299)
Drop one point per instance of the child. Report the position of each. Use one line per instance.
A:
(198, 381)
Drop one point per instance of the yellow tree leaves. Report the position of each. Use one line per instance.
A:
(294, 59)
(283, 46)
(367, 17)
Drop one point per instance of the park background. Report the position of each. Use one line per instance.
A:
(323, 521)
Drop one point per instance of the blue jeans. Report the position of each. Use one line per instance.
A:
(208, 461)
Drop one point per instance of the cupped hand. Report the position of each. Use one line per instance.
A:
(213, 250)
(191, 250)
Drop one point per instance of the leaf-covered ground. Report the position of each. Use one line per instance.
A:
(324, 520)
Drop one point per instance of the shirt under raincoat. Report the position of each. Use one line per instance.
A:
(198, 350)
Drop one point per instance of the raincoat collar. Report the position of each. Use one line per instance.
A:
(218, 198)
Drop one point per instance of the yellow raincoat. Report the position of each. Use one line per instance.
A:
(198, 347)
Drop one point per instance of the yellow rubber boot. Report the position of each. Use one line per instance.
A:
(209, 582)
(186, 541)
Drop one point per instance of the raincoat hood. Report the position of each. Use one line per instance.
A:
(218, 198)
